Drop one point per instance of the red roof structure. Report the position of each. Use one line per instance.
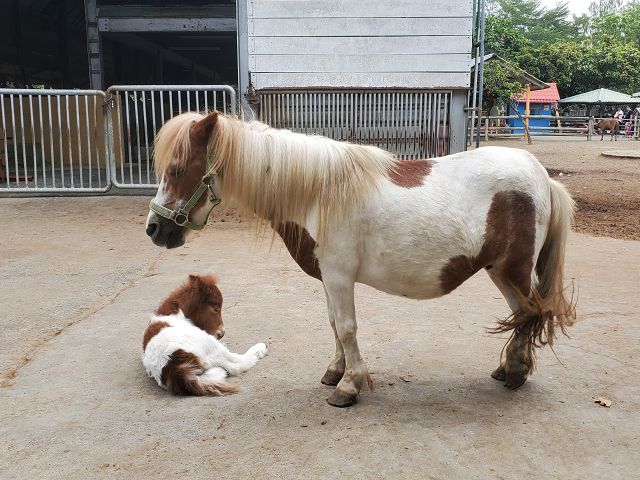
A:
(547, 95)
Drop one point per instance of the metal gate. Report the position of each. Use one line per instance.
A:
(52, 141)
(89, 141)
(411, 124)
(136, 112)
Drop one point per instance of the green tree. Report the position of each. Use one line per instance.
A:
(599, 8)
(580, 54)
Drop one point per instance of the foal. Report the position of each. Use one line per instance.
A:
(181, 347)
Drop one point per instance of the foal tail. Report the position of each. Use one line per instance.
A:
(185, 375)
(547, 308)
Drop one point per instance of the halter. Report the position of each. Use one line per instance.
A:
(181, 217)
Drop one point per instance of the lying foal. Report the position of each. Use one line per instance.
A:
(181, 347)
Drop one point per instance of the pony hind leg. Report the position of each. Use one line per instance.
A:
(335, 370)
(518, 358)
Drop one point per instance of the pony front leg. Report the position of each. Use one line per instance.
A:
(335, 370)
(340, 294)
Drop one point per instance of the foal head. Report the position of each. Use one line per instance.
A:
(186, 193)
(201, 302)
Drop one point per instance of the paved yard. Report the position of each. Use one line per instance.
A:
(78, 278)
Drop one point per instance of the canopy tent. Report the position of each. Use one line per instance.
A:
(601, 96)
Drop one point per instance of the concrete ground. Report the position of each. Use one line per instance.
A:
(78, 278)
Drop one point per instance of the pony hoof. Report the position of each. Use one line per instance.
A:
(499, 374)
(515, 380)
(331, 377)
(341, 400)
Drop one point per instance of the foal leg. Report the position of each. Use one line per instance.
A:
(335, 370)
(340, 293)
(517, 362)
(236, 363)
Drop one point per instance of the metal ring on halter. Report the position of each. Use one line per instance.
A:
(178, 219)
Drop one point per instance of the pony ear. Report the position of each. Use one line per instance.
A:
(201, 131)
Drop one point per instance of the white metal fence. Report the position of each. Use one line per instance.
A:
(136, 113)
(88, 141)
(52, 141)
(411, 124)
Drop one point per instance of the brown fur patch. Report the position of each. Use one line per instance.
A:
(181, 376)
(410, 173)
(509, 244)
(152, 330)
(200, 300)
(301, 246)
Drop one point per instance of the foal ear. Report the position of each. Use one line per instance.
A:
(201, 131)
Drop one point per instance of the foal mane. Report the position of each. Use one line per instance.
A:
(281, 176)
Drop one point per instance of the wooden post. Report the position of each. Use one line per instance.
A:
(559, 122)
(486, 129)
(590, 128)
(527, 109)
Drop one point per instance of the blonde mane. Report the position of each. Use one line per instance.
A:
(278, 176)
(283, 176)
(172, 142)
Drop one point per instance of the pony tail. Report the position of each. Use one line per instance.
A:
(559, 310)
(547, 308)
(184, 375)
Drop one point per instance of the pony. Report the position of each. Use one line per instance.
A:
(181, 347)
(610, 124)
(352, 213)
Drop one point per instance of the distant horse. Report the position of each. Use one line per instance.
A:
(181, 350)
(353, 213)
(610, 124)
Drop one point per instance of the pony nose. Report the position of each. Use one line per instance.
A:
(151, 228)
(220, 333)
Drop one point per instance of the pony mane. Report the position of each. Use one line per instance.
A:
(172, 142)
(280, 176)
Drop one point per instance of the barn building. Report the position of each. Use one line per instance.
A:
(391, 74)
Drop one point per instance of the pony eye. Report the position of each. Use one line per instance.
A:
(177, 172)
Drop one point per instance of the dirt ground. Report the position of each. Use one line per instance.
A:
(607, 190)
(78, 278)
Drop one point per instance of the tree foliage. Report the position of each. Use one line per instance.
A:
(580, 53)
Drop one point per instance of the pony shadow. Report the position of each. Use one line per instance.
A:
(454, 400)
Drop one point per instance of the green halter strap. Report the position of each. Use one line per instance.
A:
(181, 217)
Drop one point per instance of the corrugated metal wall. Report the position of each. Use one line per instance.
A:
(374, 44)
(411, 124)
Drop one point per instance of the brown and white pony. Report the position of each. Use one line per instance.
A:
(353, 213)
(612, 125)
(181, 350)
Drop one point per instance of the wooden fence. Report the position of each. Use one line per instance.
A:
(505, 126)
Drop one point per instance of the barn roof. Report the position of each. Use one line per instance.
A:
(548, 95)
(601, 95)
(516, 73)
